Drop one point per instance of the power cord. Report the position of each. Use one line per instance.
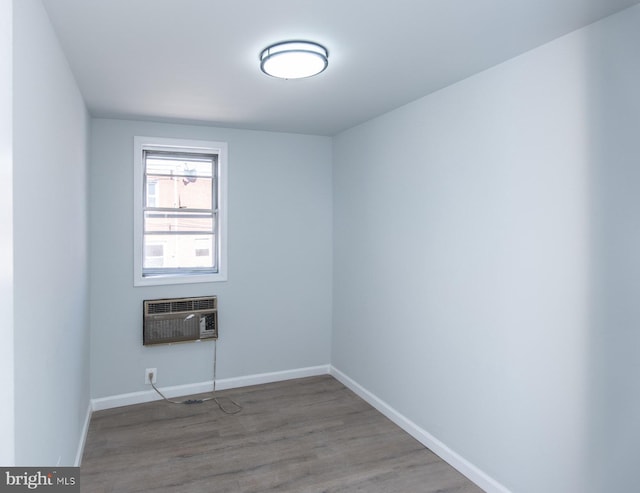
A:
(213, 397)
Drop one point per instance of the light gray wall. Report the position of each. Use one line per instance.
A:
(275, 308)
(614, 339)
(468, 265)
(50, 173)
(7, 432)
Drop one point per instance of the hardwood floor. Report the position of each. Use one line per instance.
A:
(304, 436)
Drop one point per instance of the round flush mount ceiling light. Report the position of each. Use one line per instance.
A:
(294, 59)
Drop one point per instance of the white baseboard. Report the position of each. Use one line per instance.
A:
(197, 388)
(83, 436)
(465, 467)
(472, 472)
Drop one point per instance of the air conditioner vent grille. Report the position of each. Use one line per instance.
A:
(159, 307)
(182, 305)
(204, 304)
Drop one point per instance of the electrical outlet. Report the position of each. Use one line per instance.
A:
(150, 372)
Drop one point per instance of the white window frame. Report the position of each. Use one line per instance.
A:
(142, 144)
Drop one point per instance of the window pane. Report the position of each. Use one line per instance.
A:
(190, 165)
(179, 251)
(152, 198)
(178, 222)
(203, 247)
(180, 192)
(154, 250)
(154, 254)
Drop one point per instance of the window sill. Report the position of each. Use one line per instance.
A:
(168, 279)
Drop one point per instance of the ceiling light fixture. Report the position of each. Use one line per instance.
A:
(294, 59)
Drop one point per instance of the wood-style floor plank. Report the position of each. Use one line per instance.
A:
(300, 436)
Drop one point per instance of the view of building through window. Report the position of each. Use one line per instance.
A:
(180, 213)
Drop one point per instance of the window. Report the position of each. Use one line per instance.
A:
(180, 211)
(202, 248)
(154, 254)
(152, 197)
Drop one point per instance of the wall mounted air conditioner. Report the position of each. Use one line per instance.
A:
(180, 320)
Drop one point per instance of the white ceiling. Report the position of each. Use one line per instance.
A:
(196, 61)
